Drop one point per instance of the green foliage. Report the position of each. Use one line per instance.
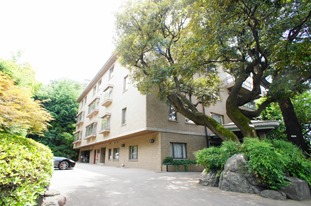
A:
(156, 44)
(25, 170)
(19, 112)
(59, 98)
(265, 162)
(269, 160)
(214, 158)
(176, 163)
(300, 102)
(22, 74)
(296, 164)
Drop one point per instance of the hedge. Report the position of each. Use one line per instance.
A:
(269, 160)
(26, 168)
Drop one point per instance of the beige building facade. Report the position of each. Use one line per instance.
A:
(118, 126)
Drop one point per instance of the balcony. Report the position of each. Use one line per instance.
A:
(92, 113)
(106, 102)
(77, 141)
(105, 130)
(90, 136)
(93, 108)
(80, 119)
(105, 126)
(246, 87)
(107, 96)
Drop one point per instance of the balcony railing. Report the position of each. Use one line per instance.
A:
(93, 108)
(246, 84)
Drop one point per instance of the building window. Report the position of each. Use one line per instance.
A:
(94, 91)
(172, 114)
(133, 152)
(219, 118)
(125, 83)
(80, 117)
(91, 130)
(84, 101)
(178, 150)
(99, 85)
(109, 154)
(115, 153)
(105, 123)
(124, 116)
(93, 106)
(108, 93)
(111, 71)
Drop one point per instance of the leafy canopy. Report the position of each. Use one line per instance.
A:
(19, 112)
(156, 43)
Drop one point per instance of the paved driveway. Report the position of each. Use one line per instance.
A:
(95, 185)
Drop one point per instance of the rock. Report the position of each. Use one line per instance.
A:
(58, 200)
(236, 178)
(272, 194)
(53, 198)
(50, 193)
(209, 179)
(61, 200)
(297, 189)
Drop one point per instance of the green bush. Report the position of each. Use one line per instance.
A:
(269, 160)
(265, 162)
(214, 158)
(295, 162)
(176, 163)
(25, 170)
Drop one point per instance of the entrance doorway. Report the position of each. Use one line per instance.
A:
(85, 155)
(102, 154)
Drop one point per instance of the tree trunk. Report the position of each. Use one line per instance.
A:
(181, 105)
(239, 119)
(293, 128)
(234, 112)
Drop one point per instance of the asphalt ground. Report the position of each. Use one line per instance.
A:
(97, 185)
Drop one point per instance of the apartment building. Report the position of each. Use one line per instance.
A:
(118, 126)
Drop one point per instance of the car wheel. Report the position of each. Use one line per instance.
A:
(63, 165)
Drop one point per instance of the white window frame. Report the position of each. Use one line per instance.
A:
(218, 117)
(124, 111)
(178, 150)
(133, 152)
(111, 72)
(125, 83)
(116, 153)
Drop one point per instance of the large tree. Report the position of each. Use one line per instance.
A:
(265, 41)
(19, 112)
(154, 42)
(59, 98)
(300, 103)
(175, 46)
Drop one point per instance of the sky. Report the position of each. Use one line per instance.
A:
(69, 39)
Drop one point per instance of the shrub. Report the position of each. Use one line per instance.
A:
(265, 162)
(25, 170)
(176, 163)
(214, 158)
(295, 162)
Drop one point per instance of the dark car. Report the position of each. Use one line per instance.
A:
(63, 163)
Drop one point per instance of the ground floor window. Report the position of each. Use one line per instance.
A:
(179, 150)
(115, 153)
(109, 154)
(133, 152)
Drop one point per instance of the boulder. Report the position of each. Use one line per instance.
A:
(236, 178)
(272, 194)
(297, 189)
(209, 179)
